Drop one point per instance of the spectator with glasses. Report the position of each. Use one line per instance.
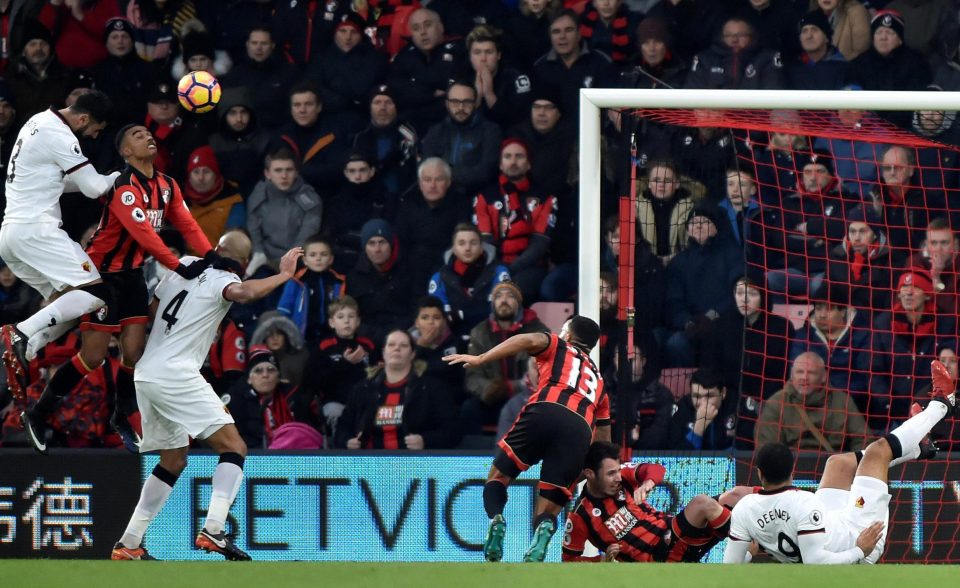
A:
(465, 139)
(736, 62)
(662, 211)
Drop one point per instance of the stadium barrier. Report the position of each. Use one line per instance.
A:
(335, 506)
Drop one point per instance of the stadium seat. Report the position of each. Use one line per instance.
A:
(553, 314)
(795, 313)
(677, 380)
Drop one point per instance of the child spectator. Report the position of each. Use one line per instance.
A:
(434, 339)
(305, 299)
(281, 336)
(339, 361)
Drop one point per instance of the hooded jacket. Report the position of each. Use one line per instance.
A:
(292, 357)
(240, 154)
(467, 306)
(278, 220)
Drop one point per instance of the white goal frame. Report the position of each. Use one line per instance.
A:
(593, 99)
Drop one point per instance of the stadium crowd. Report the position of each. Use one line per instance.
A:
(424, 157)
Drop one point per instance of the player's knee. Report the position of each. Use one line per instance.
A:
(92, 356)
(174, 463)
(879, 449)
(841, 461)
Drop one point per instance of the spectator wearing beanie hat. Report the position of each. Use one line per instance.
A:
(216, 204)
(862, 261)
(391, 144)
(197, 53)
(80, 29)
(905, 342)
(39, 80)
(548, 131)
(654, 64)
(381, 283)
(492, 384)
(347, 71)
(262, 403)
(889, 64)
(819, 66)
(122, 75)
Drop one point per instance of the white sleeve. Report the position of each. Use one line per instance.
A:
(736, 552)
(92, 184)
(812, 551)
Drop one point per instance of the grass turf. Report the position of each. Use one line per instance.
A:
(107, 574)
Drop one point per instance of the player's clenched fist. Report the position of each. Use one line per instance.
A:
(288, 263)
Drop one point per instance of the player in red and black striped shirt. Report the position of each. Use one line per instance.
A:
(556, 426)
(612, 513)
(142, 198)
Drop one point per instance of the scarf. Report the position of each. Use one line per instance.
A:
(276, 412)
(902, 327)
(513, 196)
(859, 259)
(619, 37)
(469, 272)
(196, 197)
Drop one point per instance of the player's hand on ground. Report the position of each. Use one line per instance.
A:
(414, 442)
(193, 270)
(463, 359)
(354, 443)
(613, 550)
(288, 263)
(869, 538)
(355, 355)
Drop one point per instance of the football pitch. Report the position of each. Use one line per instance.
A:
(102, 574)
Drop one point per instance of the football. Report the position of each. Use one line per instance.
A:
(198, 91)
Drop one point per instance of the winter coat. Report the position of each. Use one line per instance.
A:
(903, 69)
(321, 148)
(240, 155)
(872, 290)
(832, 412)
(827, 74)
(806, 251)
(592, 69)
(386, 298)
(923, 20)
(330, 377)
(467, 307)
(424, 232)
(395, 152)
(752, 68)
(293, 357)
(750, 358)
(278, 220)
(513, 89)
(306, 291)
(851, 28)
(270, 83)
(226, 210)
(698, 280)
(429, 410)
(847, 357)
(249, 410)
(646, 225)
(127, 81)
(472, 149)
(346, 80)
(510, 371)
(553, 153)
(415, 76)
(448, 376)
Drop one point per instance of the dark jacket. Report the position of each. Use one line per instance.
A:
(526, 38)
(902, 69)
(510, 371)
(345, 214)
(472, 149)
(329, 377)
(321, 148)
(448, 376)
(240, 155)
(905, 222)
(424, 232)
(718, 435)
(847, 358)
(270, 82)
(18, 302)
(829, 73)
(127, 81)
(872, 289)
(395, 152)
(415, 77)
(592, 69)
(346, 80)
(386, 298)
(514, 91)
(467, 306)
(750, 358)
(248, 411)
(824, 218)
(428, 410)
(698, 280)
(551, 154)
(752, 68)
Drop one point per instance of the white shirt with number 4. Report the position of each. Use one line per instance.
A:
(188, 315)
(793, 526)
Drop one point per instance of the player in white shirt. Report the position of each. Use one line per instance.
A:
(845, 520)
(176, 403)
(47, 161)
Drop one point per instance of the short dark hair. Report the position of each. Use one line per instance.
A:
(430, 301)
(466, 227)
(584, 331)
(281, 153)
(94, 103)
(122, 133)
(566, 12)
(262, 28)
(707, 377)
(318, 238)
(599, 451)
(304, 86)
(775, 462)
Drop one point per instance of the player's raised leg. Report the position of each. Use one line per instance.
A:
(156, 490)
(227, 478)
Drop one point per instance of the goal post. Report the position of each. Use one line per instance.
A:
(592, 100)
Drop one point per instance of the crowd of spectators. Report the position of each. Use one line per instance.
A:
(424, 155)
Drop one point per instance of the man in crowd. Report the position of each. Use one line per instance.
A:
(390, 143)
(317, 138)
(265, 73)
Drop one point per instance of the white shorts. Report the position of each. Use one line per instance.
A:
(45, 257)
(174, 411)
(867, 501)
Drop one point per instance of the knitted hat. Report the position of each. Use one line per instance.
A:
(383, 90)
(824, 158)
(708, 212)
(507, 285)
(887, 18)
(868, 216)
(34, 29)
(654, 28)
(259, 354)
(197, 43)
(818, 19)
(376, 227)
(547, 92)
(163, 92)
(515, 141)
(203, 157)
(117, 23)
(351, 19)
(918, 278)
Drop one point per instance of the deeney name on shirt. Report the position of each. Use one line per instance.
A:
(773, 516)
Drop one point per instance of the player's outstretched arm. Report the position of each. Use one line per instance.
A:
(250, 290)
(91, 183)
(526, 342)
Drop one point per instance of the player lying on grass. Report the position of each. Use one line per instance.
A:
(176, 403)
(845, 520)
(556, 426)
(612, 513)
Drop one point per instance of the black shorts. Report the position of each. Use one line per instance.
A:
(548, 432)
(127, 303)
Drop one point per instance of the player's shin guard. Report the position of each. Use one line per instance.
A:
(494, 498)
(226, 483)
(154, 495)
(62, 382)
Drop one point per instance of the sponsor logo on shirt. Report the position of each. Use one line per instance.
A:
(388, 416)
(621, 522)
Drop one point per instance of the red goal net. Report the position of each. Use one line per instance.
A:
(845, 285)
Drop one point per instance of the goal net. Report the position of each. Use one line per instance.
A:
(808, 244)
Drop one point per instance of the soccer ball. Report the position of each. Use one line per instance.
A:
(198, 91)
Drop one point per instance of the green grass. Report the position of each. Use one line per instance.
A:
(107, 574)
